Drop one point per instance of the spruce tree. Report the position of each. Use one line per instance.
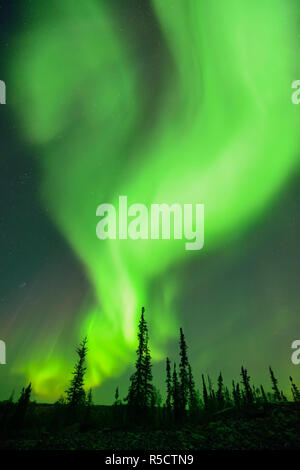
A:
(75, 393)
(141, 389)
(175, 393)
(24, 399)
(148, 387)
(117, 397)
(117, 413)
(22, 406)
(220, 392)
(236, 394)
(169, 384)
(227, 398)
(295, 390)
(248, 394)
(211, 389)
(254, 393)
(276, 392)
(183, 372)
(264, 397)
(192, 395)
(204, 392)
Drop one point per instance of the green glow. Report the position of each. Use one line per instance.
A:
(226, 136)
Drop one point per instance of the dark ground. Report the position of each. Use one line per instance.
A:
(275, 427)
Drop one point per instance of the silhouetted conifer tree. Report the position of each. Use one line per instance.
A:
(264, 397)
(24, 399)
(254, 393)
(118, 412)
(117, 397)
(22, 406)
(212, 394)
(220, 392)
(248, 394)
(276, 392)
(257, 393)
(175, 393)
(169, 384)
(141, 389)
(204, 392)
(148, 387)
(75, 393)
(227, 397)
(183, 372)
(295, 391)
(236, 394)
(192, 395)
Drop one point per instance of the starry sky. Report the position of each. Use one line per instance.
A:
(173, 102)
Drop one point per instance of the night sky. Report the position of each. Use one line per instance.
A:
(180, 101)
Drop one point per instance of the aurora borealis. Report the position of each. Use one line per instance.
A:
(166, 101)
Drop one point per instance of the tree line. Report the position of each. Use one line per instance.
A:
(142, 406)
